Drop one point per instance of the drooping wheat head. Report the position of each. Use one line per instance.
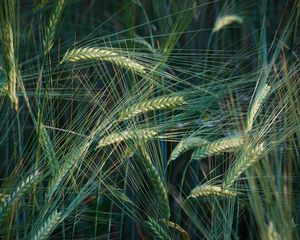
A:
(164, 102)
(100, 54)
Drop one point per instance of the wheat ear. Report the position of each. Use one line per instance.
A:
(117, 137)
(19, 191)
(225, 21)
(250, 157)
(207, 190)
(51, 28)
(272, 233)
(3, 197)
(158, 184)
(187, 144)
(47, 227)
(256, 104)
(10, 65)
(99, 54)
(157, 230)
(70, 161)
(48, 148)
(184, 234)
(218, 146)
(150, 105)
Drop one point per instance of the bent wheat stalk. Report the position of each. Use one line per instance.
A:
(150, 105)
(100, 54)
(207, 190)
(117, 137)
(218, 146)
(249, 158)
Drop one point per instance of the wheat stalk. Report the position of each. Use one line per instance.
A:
(99, 54)
(19, 191)
(207, 190)
(117, 137)
(47, 227)
(250, 157)
(256, 104)
(150, 105)
(158, 184)
(218, 146)
(51, 28)
(157, 230)
(225, 21)
(187, 144)
(10, 65)
(184, 234)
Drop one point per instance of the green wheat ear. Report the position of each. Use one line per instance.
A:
(207, 190)
(259, 98)
(136, 134)
(164, 102)
(159, 186)
(107, 55)
(47, 227)
(52, 25)
(187, 144)
(225, 21)
(10, 199)
(157, 230)
(218, 146)
(10, 65)
(248, 158)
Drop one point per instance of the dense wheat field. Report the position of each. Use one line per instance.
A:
(145, 119)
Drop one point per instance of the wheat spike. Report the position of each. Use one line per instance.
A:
(150, 105)
(256, 104)
(99, 54)
(19, 191)
(71, 160)
(158, 184)
(225, 21)
(157, 230)
(184, 234)
(250, 157)
(51, 28)
(47, 227)
(218, 146)
(10, 65)
(47, 146)
(207, 190)
(117, 137)
(187, 144)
